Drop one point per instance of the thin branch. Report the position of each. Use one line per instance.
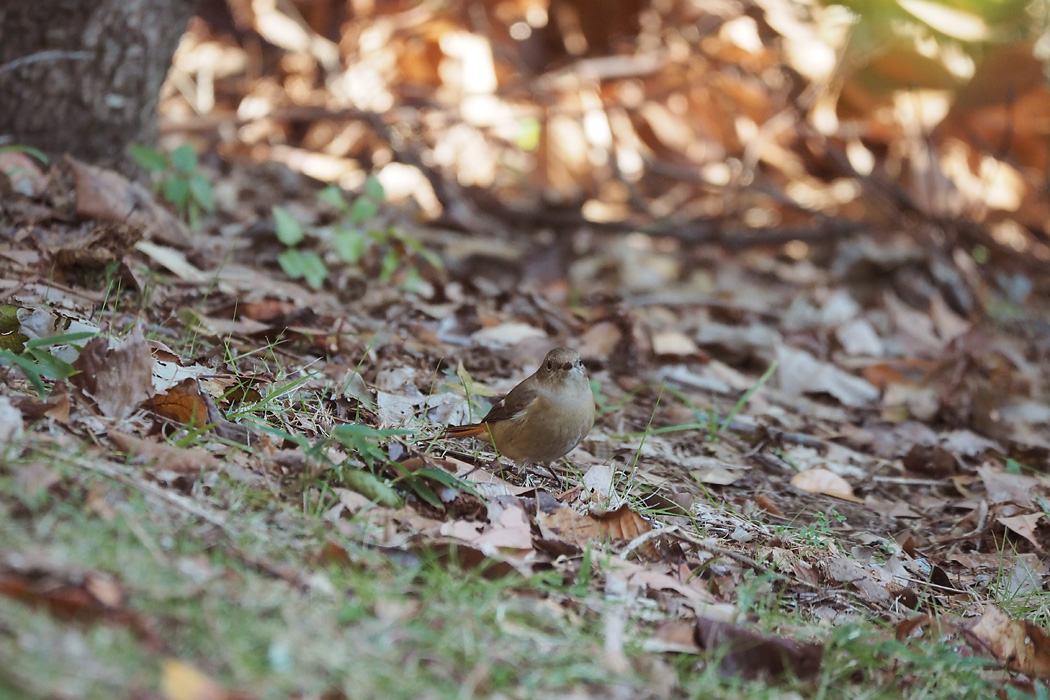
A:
(41, 56)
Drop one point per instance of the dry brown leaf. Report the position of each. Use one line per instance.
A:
(750, 654)
(578, 529)
(1024, 525)
(675, 637)
(766, 503)
(673, 343)
(800, 372)
(1009, 488)
(182, 404)
(567, 525)
(67, 594)
(458, 553)
(20, 174)
(850, 571)
(1021, 645)
(116, 379)
(511, 530)
(181, 681)
(825, 482)
(599, 341)
(161, 456)
(622, 524)
(666, 577)
(108, 196)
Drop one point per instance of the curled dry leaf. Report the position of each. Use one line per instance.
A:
(117, 378)
(1021, 645)
(1010, 488)
(799, 372)
(182, 404)
(180, 681)
(622, 524)
(1024, 525)
(825, 482)
(574, 528)
(71, 594)
(167, 457)
(105, 195)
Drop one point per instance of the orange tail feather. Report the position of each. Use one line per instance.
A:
(475, 430)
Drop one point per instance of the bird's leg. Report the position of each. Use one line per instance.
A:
(557, 477)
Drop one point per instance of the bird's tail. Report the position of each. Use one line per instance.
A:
(473, 430)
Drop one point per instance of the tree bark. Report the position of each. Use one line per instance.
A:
(84, 76)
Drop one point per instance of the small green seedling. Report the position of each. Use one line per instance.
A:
(296, 263)
(177, 179)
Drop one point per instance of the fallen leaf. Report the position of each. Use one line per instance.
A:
(622, 524)
(106, 195)
(800, 372)
(1021, 645)
(825, 482)
(1024, 525)
(746, 653)
(504, 334)
(673, 343)
(180, 681)
(118, 378)
(1010, 488)
(11, 429)
(183, 404)
(161, 456)
(578, 529)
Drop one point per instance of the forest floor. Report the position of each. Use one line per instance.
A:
(813, 308)
(798, 482)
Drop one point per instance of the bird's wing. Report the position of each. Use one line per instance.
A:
(512, 406)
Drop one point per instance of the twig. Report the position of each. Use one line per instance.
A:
(646, 537)
(41, 56)
(195, 509)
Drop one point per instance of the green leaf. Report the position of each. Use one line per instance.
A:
(374, 188)
(470, 385)
(334, 195)
(364, 440)
(445, 479)
(28, 150)
(29, 369)
(202, 192)
(742, 401)
(388, 265)
(291, 261)
(361, 430)
(177, 191)
(184, 158)
(426, 493)
(413, 282)
(289, 231)
(416, 246)
(350, 245)
(63, 339)
(362, 210)
(50, 366)
(372, 487)
(151, 160)
(528, 136)
(314, 269)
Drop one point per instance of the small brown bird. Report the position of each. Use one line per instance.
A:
(542, 418)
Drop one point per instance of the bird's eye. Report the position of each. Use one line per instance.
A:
(550, 365)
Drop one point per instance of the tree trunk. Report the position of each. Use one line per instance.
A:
(84, 76)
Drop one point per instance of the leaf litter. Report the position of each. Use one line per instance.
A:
(892, 466)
